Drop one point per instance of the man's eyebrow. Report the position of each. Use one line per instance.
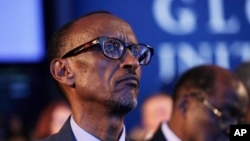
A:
(125, 38)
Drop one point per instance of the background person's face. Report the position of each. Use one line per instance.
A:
(208, 126)
(202, 124)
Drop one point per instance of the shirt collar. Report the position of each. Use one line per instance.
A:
(168, 133)
(82, 135)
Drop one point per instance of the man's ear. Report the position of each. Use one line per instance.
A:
(61, 71)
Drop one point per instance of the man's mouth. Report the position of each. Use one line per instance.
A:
(130, 80)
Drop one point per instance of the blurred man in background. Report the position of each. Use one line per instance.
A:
(207, 100)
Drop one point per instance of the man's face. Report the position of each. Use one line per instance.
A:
(103, 81)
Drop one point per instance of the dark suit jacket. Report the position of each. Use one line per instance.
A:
(66, 134)
(158, 135)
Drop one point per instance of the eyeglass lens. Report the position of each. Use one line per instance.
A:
(115, 48)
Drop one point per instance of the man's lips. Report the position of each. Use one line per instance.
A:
(131, 80)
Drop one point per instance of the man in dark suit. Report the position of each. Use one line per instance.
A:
(207, 99)
(96, 61)
(66, 134)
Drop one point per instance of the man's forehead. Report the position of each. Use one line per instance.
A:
(99, 19)
(97, 25)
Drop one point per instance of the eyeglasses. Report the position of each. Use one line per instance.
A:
(224, 119)
(114, 48)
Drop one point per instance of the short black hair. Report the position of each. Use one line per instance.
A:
(59, 39)
(203, 78)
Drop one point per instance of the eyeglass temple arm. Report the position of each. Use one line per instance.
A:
(208, 105)
(212, 108)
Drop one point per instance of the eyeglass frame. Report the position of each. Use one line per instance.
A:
(217, 112)
(77, 50)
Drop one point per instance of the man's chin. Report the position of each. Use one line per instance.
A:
(123, 105)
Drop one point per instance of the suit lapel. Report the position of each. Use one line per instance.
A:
(66, 132)
(158, 136)
(128, 139)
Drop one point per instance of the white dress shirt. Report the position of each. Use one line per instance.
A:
(82, 135)
(168, 133)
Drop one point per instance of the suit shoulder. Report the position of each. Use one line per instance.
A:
(50, 138)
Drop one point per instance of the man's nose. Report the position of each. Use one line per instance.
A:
(129, 61)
